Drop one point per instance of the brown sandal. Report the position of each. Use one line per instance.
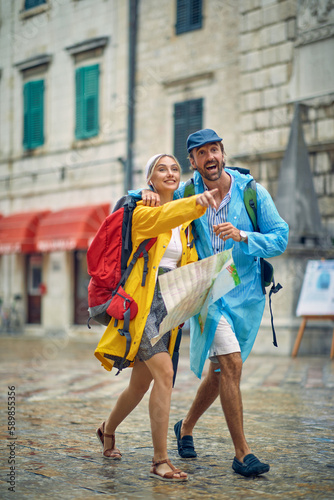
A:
(114, 453)
(168, 476)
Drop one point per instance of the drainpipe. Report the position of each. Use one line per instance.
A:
(133, 7)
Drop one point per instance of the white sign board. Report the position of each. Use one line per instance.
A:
(317, 293)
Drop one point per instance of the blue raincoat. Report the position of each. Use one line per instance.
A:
(243, 306)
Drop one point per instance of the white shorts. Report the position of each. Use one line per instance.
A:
(224, 342)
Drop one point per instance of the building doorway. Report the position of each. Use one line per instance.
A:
(34, 279)
(81, 281)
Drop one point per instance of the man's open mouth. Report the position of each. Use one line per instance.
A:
(211, 167)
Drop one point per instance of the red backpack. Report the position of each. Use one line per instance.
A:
(107, 264)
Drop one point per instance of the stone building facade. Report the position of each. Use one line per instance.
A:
(237, 67)
(52, 43)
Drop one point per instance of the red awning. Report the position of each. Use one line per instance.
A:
(70, 228)
(18, 231)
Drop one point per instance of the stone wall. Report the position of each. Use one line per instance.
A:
(280, 64)
(173, 68)
(63, 172)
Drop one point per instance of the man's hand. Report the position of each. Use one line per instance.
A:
(150, 199)
(226, 230)
(206, 199)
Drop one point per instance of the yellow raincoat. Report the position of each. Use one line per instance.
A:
(149, 222)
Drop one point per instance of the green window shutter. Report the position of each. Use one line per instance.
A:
(79, 105)
(87, 102)
(180, 127)
(37, 113)
(195, 114)
(181, 16)
(33, 120)
(195, 14)
(30, 4)
(188, 15)
(92, 99)
(26, 105)
(188, 117)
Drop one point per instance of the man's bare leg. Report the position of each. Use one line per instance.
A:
(226, 383)
(231, 401)
(244, 463)
(207, 393)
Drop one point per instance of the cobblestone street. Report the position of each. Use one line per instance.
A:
(62, 394)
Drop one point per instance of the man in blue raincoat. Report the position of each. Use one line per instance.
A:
(233, 321)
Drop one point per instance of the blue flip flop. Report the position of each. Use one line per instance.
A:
(185, 445)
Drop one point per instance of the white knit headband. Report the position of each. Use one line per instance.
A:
(150, 164)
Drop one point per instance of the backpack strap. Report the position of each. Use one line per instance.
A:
(250, 201)
(145, 270)
(142, 250)
(242, 170)
(175, 357)
(127, 239)
(124, 332)
(274, 289)
(189, 188)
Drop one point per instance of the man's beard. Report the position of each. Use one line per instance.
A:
(206, 174)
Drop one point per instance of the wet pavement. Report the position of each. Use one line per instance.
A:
(60, 394)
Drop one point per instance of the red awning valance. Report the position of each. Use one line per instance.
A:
(18, 231)
(70, 228)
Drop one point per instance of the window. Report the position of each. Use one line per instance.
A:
(33, 121)
(87, 102)
(188, 15)
(30, 4)
(187, 119)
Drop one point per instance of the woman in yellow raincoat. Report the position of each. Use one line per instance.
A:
(170, 223)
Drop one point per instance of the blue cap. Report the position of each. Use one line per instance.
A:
(202, 137)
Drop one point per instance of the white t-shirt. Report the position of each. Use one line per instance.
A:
(173, 252)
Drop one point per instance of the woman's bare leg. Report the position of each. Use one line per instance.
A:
(161, 368)
(131, 396)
